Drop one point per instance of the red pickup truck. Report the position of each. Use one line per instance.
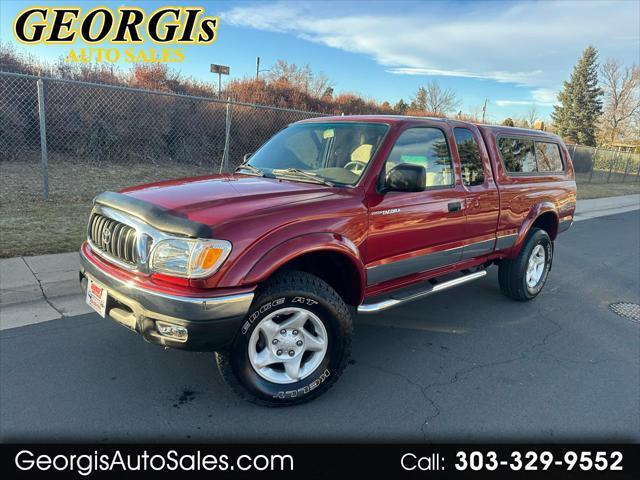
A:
(332, 216)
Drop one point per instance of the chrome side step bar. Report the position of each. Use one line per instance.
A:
(393, 302)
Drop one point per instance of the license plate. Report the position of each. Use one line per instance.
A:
(96, 296)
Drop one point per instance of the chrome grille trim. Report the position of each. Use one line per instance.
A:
(131, 238)
(120, 243)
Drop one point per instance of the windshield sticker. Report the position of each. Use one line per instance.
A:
(328, 133)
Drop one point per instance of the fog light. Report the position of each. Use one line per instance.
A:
(172, 331)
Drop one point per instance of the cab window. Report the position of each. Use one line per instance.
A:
(470, 158)
(428, 148)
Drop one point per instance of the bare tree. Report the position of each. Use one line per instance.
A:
(315, 84)
(531, 115)
(621, 87)
(434, 99)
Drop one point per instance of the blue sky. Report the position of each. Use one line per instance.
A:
(515, 54)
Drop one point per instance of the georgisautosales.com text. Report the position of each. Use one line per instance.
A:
(87, 464)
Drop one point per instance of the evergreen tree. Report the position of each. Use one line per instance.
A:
(580, 105)
(419, 102)
(401, 106)
(508, 122)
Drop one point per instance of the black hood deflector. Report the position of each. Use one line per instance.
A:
(153, 215)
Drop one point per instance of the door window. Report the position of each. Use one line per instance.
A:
(428, 148)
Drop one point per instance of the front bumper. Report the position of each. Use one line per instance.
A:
(211, 322)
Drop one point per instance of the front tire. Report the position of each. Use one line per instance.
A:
(294, 344)
(524, 277)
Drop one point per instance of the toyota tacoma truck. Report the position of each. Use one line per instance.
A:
(333, 216)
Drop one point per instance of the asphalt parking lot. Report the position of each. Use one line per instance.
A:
(465, 365)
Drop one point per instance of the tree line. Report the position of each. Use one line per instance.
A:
(598, 104)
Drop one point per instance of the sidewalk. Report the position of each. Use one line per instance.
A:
(37, 289)
(599, 207)
(42, 288)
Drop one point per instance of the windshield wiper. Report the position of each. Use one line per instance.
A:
(302, 173)
(251, 168)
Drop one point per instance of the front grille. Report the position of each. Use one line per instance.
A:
(113, 238)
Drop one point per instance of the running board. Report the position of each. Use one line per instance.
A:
(438, 287)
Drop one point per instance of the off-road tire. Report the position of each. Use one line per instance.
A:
(290, 288)
(512, 273)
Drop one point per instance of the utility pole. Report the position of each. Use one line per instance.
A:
(258, 68)
(484, 109)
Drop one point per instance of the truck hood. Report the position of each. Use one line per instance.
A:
(214, 199)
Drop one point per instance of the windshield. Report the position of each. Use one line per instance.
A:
(330, 153)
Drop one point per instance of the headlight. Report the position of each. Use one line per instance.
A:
(188, 257)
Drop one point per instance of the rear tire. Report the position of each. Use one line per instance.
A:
(294, 344)
(524, 277)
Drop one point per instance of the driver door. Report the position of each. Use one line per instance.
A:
(413, 233)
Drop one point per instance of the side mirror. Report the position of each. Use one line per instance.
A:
(246, 157)
(406, 177)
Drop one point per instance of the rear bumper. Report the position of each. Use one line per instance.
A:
(211, 321)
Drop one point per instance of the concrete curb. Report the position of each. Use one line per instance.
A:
(37, 289)
(45, 287)
(600, 207)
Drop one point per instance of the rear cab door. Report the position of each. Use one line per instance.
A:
(482, 200)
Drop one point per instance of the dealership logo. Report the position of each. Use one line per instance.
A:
(131, 26)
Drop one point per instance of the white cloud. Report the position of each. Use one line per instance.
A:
(532, 44)
(519, 78)
(509, 103)
(545, 96)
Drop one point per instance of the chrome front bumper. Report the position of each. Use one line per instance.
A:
(211, 322)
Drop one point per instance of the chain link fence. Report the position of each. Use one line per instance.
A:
(69, 139)
(85, 138)
(65, 141)
(62, 142)
(600, 165)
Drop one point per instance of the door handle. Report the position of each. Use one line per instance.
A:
(455, 206)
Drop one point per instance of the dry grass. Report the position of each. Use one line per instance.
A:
(32, 226)
(598, 187)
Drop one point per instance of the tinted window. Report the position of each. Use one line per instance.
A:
(548, 157)
(428, 148)
(517, 154)
(470, 159)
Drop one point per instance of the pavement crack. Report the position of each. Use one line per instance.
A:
(44, 295)
(476, 366)
(407, 379)
(458, 374)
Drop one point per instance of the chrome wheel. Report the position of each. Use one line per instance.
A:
(536, 266)
(288, 345)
